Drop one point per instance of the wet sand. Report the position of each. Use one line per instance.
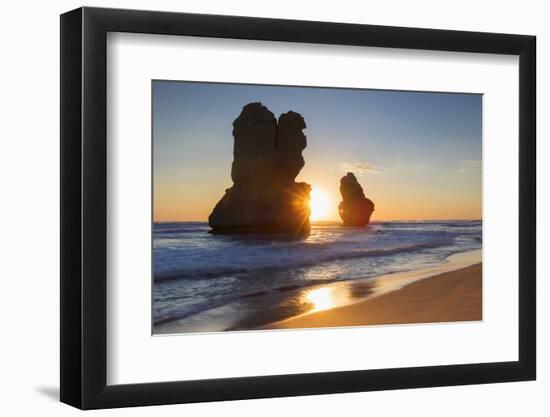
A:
(449, 296)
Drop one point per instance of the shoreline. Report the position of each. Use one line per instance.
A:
(451, 296)
(285, 310)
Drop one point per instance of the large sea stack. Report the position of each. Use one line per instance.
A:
(355, 209)
(267, 157)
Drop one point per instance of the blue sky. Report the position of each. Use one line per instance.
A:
(417, 154)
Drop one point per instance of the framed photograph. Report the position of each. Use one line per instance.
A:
(257, 208)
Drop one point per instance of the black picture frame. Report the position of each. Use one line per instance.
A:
(84, 207)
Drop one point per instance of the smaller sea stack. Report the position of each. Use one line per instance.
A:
(355, 209)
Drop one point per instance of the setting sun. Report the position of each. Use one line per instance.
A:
(319, 204)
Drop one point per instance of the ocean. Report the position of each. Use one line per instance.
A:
(207, 282)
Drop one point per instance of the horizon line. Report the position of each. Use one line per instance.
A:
(338, 220)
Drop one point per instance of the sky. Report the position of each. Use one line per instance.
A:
(417, 155)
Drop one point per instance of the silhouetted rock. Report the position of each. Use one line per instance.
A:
(355, 209)
(254, 152)
(267, 157)
(291, 141)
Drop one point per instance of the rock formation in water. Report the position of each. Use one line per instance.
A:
(267, 157)
(355, 209)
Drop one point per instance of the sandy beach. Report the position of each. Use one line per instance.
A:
(445, 297)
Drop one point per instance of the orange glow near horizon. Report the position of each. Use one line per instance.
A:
(409, 199)
(324, 206)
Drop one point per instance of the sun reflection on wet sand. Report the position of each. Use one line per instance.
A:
(334, 295)
(321, 298)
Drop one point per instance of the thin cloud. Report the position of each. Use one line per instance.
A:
(468, 164)
(360, 168)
